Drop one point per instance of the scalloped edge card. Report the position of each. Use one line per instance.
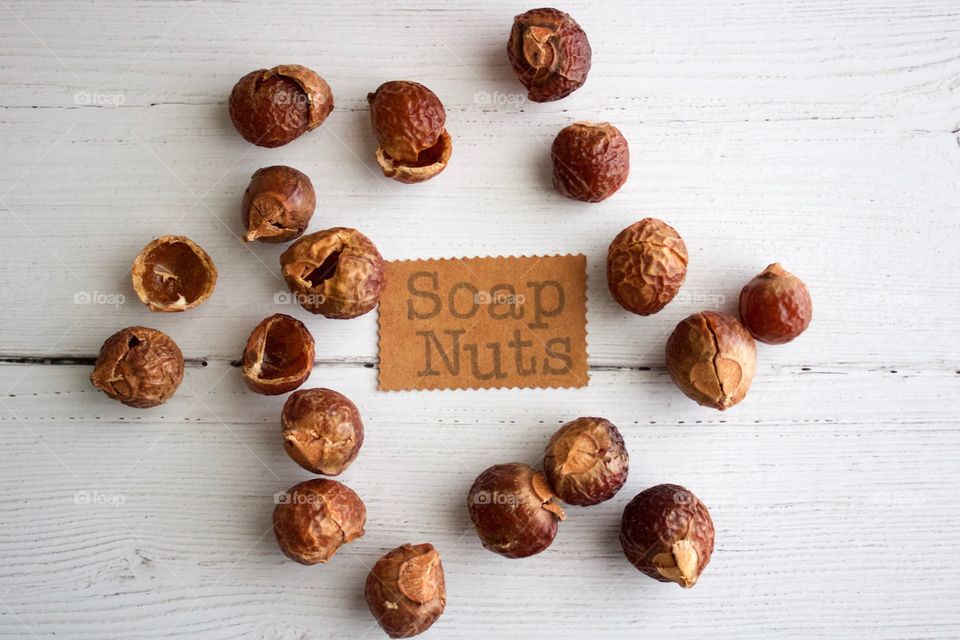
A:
(484, 323)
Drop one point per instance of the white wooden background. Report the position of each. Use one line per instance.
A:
(819, 133)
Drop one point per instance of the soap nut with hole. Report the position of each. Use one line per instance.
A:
(322, 430)
(406, 590)
(313, 519)
(337, 273)
(667, 533)
(172, 273)
(139, 366)
(514, 510)
(277, 205)
(549, 53)
(271, 107)
(279, 355)
(586, 461)
(409, 123)
(712, 358)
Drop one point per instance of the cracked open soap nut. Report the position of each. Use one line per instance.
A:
(549, 53)
(591, 161)
(514, 510)
(271, 107)
(775, 306)
(279, 355)
(711, 357)
(277, 205)
(586, 461)
(646, 266)
(406, 591)
(138, 366)
(173, 273)
(322, 430)
(313, 519)
(409, 122)
(667, 534)
(337, 273)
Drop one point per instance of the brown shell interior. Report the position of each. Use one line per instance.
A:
(173, 271)
(284, 354)
(429, 156)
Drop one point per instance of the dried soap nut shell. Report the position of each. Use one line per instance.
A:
(277, 205)
(514, 510)
(646, 266)
(667, 533)
(550, 54)
(432, 162)
(173, 273)
(271, 107)
(775, 306)
(279, 355)
(322, 430)
(337, 273)
(586, 461)
(408, 120)
(406, 590)
(591, 161)
(313, 519)
(138, 366)
(712, 358)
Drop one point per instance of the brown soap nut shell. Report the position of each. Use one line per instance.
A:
(646, 266)
(591, 161)
(550, 54)
(173, 273)
(139, 366)
(337, 273)
(279, 355)
(514, 510)
(313, 519)
(271, 107)
(775, 306)
(322, 430)
(712, 358)
(406, 590)
(586, 461)
(277, 205)
(432, 161)
(408, 120)
(667, 533)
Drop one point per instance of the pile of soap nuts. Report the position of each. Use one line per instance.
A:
(666, 531)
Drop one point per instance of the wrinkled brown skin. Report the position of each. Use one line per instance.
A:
(271, 107)
(549, 53)
(138, 366)
(315, 518)
(775, 306)
(514, 510)
(348, 274)
(322, 430)
(173, 273)
(591, 161)
(408, 120)
(279, 355)
(711, 357)
(667, 534)
(277, 205)
(646, 266)
(586, 461)
(406, 590)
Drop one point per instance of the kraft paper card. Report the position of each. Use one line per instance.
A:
(484, 323)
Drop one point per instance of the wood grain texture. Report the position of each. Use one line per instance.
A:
(819, 133)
